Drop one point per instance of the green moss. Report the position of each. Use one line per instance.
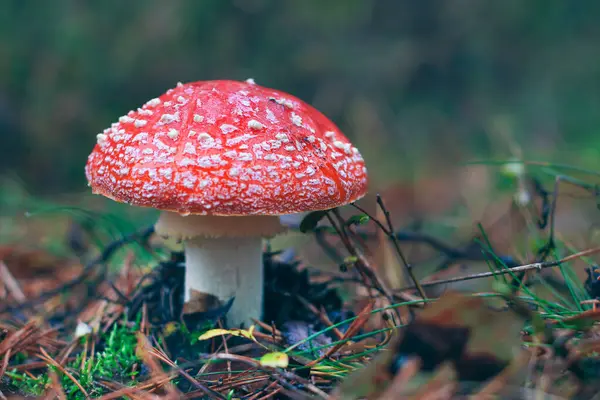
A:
(116, 361)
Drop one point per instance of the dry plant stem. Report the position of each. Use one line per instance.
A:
(388, 259)
(57, 390)
(394, 239)
(224, 342)
(119, 391)
(28, 338)
(44, 356)
(346, 241)
(367, 272)
(548, 212)
(232, 384)
(274, 392)
(156, 370)
(187, 376)
(280, 376)
(268, 328)
(356, 325)
(520, 268)
(227, 267)
(5, 361)
(11, 283)
(66, 352)
(390, 233)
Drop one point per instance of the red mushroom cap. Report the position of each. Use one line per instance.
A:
(226, 148)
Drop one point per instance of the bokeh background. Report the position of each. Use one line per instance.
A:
(421, 87)
(418, 85)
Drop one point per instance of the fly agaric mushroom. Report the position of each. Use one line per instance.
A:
(222, 160)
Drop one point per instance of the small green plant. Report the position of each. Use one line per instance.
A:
(33, 386)
(116, 361)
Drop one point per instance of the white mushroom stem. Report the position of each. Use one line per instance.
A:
(227, 267)
(223, 258)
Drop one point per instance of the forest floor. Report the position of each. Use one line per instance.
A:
(105, 317)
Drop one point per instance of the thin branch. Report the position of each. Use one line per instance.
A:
(407, 266)
(469, 252)
(11, 283)
(521, 268)
(281, 376)
(363, 266)
(46, 357)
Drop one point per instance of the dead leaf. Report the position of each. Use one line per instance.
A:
(458, 329)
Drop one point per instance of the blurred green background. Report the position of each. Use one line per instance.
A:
(417, 84)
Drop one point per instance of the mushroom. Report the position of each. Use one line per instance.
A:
(222, 160)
